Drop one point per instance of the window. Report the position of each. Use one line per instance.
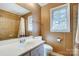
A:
(30, 23)
(60, 19)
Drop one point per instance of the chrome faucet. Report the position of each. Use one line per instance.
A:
(22, 40)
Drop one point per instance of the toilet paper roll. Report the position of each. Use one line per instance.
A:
(58, 40)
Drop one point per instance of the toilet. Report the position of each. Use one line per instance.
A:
(47, 49)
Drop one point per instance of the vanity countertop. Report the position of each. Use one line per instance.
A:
(16, 49)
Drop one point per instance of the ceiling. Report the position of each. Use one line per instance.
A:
(14, 8)
(42, 4)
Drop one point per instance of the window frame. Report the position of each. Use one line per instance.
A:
(68, 17)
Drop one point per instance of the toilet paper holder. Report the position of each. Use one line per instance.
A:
(58, 39)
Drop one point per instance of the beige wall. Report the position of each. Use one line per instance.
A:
(75, 20)
(66, 45)
(9, 24)
(36, 13)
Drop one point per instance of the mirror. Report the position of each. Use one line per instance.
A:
(13, 21)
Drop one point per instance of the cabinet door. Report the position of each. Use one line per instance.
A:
(35, 52)
(39, 51)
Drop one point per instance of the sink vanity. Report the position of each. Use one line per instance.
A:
(30, 47)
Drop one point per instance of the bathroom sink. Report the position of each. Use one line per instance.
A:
(25, 43)
(14, 47)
